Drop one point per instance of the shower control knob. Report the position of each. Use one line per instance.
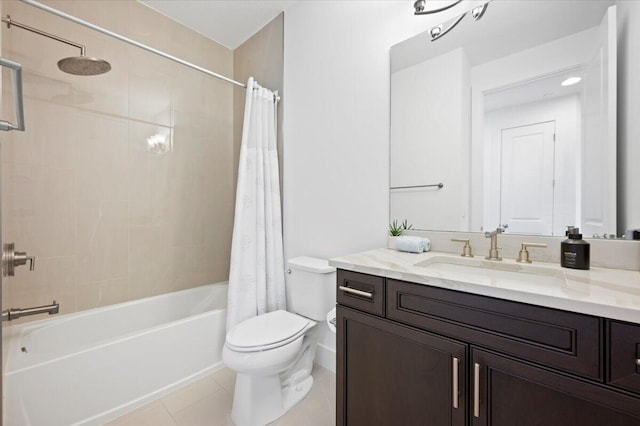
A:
(11, 259)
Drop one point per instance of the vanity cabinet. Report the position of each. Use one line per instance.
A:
(517, 364)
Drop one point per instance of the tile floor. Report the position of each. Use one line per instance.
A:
(207, 402)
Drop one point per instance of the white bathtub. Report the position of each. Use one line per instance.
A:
(90, 367)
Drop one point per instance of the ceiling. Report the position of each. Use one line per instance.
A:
(536, 90)
(528, 24)
(229, 22)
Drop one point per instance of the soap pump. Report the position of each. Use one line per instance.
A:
(574, 251)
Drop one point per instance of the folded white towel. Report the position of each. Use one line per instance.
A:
(413, 244)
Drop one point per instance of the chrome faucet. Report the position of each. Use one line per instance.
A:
(15, 313)
(493, 249)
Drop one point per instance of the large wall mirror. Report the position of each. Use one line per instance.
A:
(508, 121)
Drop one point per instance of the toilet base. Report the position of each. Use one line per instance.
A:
(269, 402)
(260, 399)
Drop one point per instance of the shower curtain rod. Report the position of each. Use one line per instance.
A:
(135, 43)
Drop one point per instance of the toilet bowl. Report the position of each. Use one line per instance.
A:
(275, 373)
(273, 353)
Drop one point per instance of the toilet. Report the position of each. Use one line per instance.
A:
(273, 353)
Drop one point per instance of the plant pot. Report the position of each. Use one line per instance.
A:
(391, 242)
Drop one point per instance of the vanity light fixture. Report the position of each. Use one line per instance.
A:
(419, 7)
(436, 32)
(571, 81)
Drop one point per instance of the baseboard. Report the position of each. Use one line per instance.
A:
(326, 358)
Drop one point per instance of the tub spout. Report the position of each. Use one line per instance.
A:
(15, 313)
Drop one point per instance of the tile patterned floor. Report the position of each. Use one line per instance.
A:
(207, 402)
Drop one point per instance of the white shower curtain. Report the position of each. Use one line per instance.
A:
(256, 276)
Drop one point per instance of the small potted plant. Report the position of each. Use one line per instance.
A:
(395, 230)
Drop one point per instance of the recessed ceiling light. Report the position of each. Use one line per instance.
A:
(570, 81)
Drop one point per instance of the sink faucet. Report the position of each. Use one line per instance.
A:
(493, 249)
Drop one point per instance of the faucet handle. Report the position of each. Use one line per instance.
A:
(466, 250)
(498, 230)
(523, 255)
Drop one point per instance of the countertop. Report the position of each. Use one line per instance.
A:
(609, 293)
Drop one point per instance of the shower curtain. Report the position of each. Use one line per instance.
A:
(256, 275)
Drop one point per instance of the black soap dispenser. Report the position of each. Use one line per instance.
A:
(574, 251)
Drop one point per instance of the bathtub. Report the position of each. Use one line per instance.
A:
(92, 366)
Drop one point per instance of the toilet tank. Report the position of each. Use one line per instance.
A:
(311, 287)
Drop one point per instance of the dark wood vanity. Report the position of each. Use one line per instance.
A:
(413, 354)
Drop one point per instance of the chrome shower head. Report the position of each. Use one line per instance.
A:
(84, 65)
(77, 65)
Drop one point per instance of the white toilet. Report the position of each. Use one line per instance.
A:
(273, 353)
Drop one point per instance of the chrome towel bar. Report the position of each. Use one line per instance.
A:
(439, 185)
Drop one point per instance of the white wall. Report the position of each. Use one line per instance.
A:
(429, 132)
(628, 113)
(336, 126)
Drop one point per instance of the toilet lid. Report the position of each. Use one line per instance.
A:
(267, 331)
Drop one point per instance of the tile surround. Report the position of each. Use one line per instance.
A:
(108, 219)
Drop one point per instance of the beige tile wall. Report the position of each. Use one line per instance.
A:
(260, 57)
(108, 218)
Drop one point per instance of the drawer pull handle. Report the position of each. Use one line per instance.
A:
(456, 363)
(356, 292)
(476, 390)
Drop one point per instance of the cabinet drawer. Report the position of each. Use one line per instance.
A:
(560, 339)
(624, 356)
(361, 291)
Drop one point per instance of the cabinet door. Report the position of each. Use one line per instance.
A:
(389, 374)
(505, 392)
(624, 356)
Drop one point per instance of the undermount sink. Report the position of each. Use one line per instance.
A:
(493, 272)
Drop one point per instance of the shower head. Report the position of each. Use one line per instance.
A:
(84, 65)
(76, 65)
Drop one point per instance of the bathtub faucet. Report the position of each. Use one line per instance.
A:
(15, 313)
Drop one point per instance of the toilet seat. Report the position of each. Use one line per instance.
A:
(267, 331)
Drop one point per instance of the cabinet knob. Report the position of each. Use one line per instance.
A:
(638, 361)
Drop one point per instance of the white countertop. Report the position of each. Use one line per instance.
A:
(609, 293)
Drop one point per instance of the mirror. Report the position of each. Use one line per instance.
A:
(508, 121)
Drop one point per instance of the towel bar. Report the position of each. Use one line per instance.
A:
(439, 185)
